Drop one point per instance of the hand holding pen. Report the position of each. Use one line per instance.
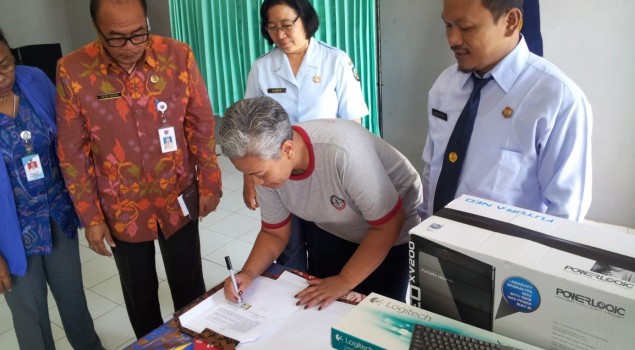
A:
(234, 285)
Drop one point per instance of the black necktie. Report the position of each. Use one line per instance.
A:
(457, 147)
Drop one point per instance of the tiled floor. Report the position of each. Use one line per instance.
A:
(231, 230)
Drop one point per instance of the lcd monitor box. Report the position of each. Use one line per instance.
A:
(382, 323)
(546, 281)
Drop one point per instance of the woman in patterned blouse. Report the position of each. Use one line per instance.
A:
(38, 237)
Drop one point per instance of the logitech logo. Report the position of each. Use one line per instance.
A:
(375, 300)
(416, 312)
(599, 276)
(590, 302)
(351, 343)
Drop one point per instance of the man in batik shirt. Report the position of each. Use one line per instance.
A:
(136, 130)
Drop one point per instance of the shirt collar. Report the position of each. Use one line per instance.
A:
(509, 68)
(309, 147)
(150, 57)
(310, 58)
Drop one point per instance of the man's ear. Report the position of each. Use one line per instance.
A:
(514, 20)
(287, 150)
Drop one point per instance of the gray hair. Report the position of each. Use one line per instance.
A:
(254, 127)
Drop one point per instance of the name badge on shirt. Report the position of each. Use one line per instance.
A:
(167, 139)
(441, 115)
(277, 90)
(109, 96)
(33, 167)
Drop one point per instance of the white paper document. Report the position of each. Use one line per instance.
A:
(268, 309)
(304, 329)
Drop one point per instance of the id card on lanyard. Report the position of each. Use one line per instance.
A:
(31, 162)
(33, 167)
(167, 136)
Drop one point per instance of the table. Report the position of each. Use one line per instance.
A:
(169, 336)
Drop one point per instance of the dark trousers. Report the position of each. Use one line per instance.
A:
(62, 271)
(137, 272)
(328, 254)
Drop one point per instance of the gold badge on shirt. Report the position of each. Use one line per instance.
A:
(452, 157)
(355, 74)
(354, 70)
(507, 112)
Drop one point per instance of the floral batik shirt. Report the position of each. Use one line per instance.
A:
(109, 127)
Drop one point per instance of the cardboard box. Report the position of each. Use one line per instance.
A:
(379, 323)
(547, 281)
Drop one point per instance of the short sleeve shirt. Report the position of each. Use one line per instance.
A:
(355, 180)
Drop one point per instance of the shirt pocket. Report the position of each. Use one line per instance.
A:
(497, 172)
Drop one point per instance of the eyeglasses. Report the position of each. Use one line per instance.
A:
(284, 27)
(121, 41)
(7, 67)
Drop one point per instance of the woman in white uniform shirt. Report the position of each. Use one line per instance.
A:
(310, 79)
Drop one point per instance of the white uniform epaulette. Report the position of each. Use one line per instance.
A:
(327, 45)
(265, 54)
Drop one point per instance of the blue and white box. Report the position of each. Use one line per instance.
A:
(381, 323)
(546, 281)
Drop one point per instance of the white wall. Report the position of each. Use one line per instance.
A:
(29, 22)
(413, 53)
(590, 40)
(81, 26)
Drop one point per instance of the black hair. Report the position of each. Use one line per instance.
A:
(500, 7)
(303, 8)
(94, 8)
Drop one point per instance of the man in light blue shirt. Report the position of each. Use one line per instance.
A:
(531, 142)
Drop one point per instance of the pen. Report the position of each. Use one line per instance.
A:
(228, 262)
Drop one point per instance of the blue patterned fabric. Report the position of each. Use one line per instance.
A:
(37, 200)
